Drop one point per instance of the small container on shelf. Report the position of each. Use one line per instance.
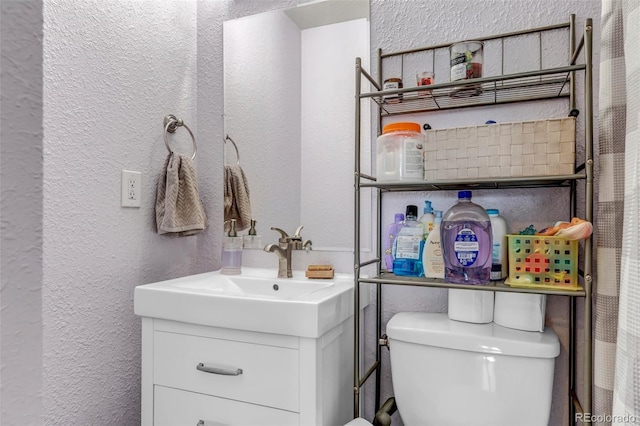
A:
(466, 60)
(424, 78)
(466, 64)
(399, 153)
(538, 261)
(392, 84)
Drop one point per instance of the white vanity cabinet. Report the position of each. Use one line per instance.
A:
(196, 375)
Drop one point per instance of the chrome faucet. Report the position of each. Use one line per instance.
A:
(283, 249)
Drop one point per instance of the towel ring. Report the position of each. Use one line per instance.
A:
(227, 138)
(171, 123)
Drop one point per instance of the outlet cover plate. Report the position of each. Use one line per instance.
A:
(131, 190)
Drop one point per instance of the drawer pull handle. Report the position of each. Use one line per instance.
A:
(218, 370)
(203, 423)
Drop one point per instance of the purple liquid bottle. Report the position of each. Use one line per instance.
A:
(466, 240)
(390, 238)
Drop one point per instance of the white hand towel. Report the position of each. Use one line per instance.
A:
(179, 210)
(237, 203)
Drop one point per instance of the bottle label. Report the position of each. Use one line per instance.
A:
(458, 72)
(408, 246)
(435, 264)
(414, 162)
(392, 85)
(466, 247)
(496, 253)
(428, 227)
(496, 275)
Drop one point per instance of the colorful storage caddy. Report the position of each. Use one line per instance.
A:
(537, 261)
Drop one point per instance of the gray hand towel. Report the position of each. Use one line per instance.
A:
(179, 211)
(237, 204)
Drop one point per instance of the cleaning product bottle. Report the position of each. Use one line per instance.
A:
(427, 219)
(252, 240)
(499, 258)
(432, 260)
(390, 239)
(231, 251)
(409, 245)
(465, 236)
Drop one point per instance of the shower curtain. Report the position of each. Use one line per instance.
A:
(617, 302)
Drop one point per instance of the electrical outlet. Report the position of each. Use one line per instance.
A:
(131, 188)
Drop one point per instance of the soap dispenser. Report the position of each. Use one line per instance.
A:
(252, 240)
(231, 251)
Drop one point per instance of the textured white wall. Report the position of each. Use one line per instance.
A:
(21, 212)
(112, 71)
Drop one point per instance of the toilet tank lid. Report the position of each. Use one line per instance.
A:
(436, 329)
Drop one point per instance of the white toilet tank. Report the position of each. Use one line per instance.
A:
(448, 372)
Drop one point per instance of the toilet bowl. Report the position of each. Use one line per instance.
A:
(448, 372)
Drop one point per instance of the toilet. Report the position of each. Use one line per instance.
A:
(447, 372)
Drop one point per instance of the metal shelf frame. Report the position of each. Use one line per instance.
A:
(553, 83)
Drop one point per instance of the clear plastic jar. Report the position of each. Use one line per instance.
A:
(466, 60)
(399, 153)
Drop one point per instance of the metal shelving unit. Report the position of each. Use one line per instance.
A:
(552, 83)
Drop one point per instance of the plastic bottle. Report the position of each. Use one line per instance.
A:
(466, 242)
(499, 258)
(399, 153)
(427, 219)
(252, 240)
(409, 244)
(390, 238)
(432, 260)
(231, 261)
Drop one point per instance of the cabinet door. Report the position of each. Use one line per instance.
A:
(173, 407)
(269, 374)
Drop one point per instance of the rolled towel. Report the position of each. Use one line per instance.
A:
(237, 204)
(179, 210)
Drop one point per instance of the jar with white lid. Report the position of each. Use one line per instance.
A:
(399, 153)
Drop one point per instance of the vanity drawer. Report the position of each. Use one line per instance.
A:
(173, 407)
(269, 374)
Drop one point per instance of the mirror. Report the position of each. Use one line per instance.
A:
(289, 84)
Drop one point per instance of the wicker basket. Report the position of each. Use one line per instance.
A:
(519, 149)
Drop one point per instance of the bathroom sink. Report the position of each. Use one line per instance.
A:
(252, 301)
(258, 287)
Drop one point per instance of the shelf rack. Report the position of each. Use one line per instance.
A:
(552, 83)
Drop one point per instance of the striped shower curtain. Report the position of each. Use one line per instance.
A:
(617, 322)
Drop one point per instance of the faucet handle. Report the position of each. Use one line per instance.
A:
(297, 234)
(284, 237)
(284, 234)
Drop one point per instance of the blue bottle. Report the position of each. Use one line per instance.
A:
(409, 245)
(466, 242)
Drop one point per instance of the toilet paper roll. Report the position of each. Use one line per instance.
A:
(520, 311)
(471, 306)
